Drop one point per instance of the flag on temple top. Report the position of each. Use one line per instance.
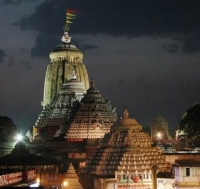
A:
(73, 11)
(70, 16)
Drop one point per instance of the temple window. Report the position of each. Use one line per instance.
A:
(187, 171)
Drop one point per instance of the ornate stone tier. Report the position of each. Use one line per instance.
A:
(126, 150)
(93, 117)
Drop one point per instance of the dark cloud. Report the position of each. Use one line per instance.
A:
(26, 64)
(2, 55)
(84, 46)
(120, 81)
(22, 50)
(131, 18)
(11, 61)
(14, 2)
(44, 44)
(88, 47)
(45, 19)
(15, 24)
(171, 48)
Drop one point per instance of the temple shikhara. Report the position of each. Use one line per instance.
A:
(66, 83)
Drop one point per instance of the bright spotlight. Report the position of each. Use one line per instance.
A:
(159, 136)
(18, 137)
(65, 183)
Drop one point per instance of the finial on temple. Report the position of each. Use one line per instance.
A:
(70, 16)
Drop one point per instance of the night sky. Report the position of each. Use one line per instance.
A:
(144, 55)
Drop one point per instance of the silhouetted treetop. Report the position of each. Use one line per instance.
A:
(7, 129)
(190, 125)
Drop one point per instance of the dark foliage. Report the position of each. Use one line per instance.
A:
(190, 125)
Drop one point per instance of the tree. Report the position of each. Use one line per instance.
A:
(189, 125)
(7, 129)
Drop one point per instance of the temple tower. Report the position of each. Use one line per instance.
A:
(64, 60)
(66, 82)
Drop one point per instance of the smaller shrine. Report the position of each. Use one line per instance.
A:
(126, 158)
(160, 129)
(71, 179)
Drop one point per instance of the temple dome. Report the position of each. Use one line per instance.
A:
(63, 50)
(127, 120)
(126, 123)
(65, 47)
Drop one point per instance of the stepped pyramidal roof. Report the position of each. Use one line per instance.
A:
(126, 150)
(93, 117)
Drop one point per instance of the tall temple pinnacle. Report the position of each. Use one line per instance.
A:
(66, 82)
(64, 60)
